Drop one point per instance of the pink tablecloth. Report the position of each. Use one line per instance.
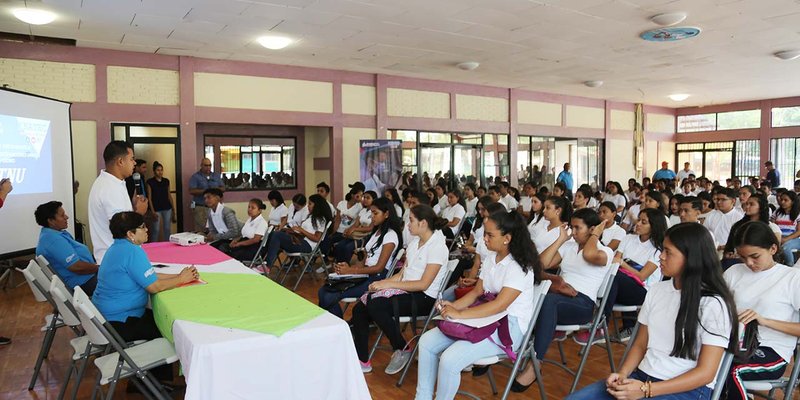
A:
(169, 253)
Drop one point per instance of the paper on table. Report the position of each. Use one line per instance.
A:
(193, 283)
(476, 322)
(343, 276)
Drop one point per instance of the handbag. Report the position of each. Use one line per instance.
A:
(343, 284)
(459, 331)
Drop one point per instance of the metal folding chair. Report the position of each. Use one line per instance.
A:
(258, 259)
(306, 259)
(598, 321)
(350, 300)
(786, 384)
(130, 362)
(526, 352)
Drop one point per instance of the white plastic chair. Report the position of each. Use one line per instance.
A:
(46, 267)
(525, 352)
(131, 362)
(306, 259)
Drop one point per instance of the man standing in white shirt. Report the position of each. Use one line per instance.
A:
(109, 195)
(685, 172)
(720, 221)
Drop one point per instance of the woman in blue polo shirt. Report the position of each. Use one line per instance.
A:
(70, 259)
(126, 278)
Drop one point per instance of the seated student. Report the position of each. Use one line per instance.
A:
(494, 193)
(414, 198)
(582, 197)
(787, 217)
(418, 284)
(298, 212)
(381, 247)
(440, 191)
(685, 326)
(633, 212)
(509, 271)
(720, 221)
(612, 233)
(638, 259)
(506, 198)
(475, 245)
(253, 230)
(222, 224)
(391, 194)
(345, 216)
(767, 295)
(558, 213)
(126, 279)
(708, 205)
(674, 210)
(279, 214)
(536, 220)
(360, 228)
(524, 208)
(615, 195)
(560, 190)
(755, 209)
(303, 238)
(72, 261)
(454, 213)
(584, 262)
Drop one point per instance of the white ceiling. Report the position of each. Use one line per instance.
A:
(544, 45)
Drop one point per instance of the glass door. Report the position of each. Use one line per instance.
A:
(434, 163)
(466, 165)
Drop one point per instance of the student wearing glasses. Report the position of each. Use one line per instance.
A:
(720, 221)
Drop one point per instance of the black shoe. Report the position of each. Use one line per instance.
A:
(480, 370)
(517, 387)
(4, 341)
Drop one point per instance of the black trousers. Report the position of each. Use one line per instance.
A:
(381, 311)
(245, 253)
(625, 291)
(764, 364)
(143, 328)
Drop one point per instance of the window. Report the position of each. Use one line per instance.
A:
(785, 154)
(785, 116)
(721, 160)
(747, 119)
(748, 158)
(253, 163)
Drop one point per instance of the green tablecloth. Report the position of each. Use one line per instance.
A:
(241, 301)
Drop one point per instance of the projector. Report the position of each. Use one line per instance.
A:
(186, 239)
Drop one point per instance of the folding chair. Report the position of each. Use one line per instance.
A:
(307, 259)
(131, 362)
(82, 348)
(40, 284)
(598, 321)
(451, 266)
(624, 309)
(350, 300)
(786, 384)
(457, 238)
(48, 270)
(525, 352)
(258, 259)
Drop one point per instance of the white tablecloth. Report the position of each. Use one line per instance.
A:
(316, 360)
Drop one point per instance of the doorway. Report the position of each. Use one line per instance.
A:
(460, 164)
(157, 142)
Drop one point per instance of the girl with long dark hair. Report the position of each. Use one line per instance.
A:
(303, 238)
(391, 194)
(454, 213)
(767, 295)
(787, 217)
(383, 243)
(755, 208)
(557, 211)
(685, 326)
(360, 228)
(536, 220)
(615, 195)
(612, 233)
(279, 214)
(510, 271)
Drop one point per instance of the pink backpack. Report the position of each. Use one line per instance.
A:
(459, 331)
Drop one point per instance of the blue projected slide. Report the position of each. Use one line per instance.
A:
(25, 154)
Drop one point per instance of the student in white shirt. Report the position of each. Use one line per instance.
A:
(615, 195)
(222, 224)
(674, 210)
(720, 221)
(324, 190)
(685, 326)
(744, 193)
(361, 227)
(476, 246)
(755, 209)
(471, 201)
(454, 214)
(506, 197)
(279, 215)
(303, 238)
(633, 212)
(582, 197)
(253, 230)
(298, 212)
(494, 193)
(525, 201)
(558, 213)
(415, 198)
(509, 271)
(441, 197)
(536, 220)
(638, 259)
(346, 214)
(383, 243)
(767, 295)
(420, 282)
(391, 194)
(787, 217)
(584, 262)
(612, 233)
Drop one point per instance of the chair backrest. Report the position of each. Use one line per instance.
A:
(793, 376)
(46, 267)
(38, 293)
(605, 287)
(451, 267)
(539, 292)
(397, 257)
(63, 301)
(722, 375)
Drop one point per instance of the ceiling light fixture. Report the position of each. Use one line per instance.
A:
(34, 16)
(788, 54)
(468, 65)
(668, 19)
(678, 96)
(593, 84)
(274, 42)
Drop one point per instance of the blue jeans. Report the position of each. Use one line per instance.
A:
(787, 249)
(441, 360)
(558, 309)
(283, 241)
(164, 224)
(597, 391)
(329, 300)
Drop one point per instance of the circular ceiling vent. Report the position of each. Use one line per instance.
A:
(670, 34)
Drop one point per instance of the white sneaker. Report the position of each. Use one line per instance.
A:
(366, 367)
(320, 270)
(398, 361)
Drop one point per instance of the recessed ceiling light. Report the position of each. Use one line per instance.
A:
(275, 42)
(34, 16)
(468, 65)
(593, 84)
(668, 19)
(788, 54)
(678, 97)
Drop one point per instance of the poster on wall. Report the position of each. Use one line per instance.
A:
(381, 164)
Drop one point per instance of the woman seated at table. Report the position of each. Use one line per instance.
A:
(72, 260)
(418, 284)
(509, 271)
(381, 247)
(685, 326)
(584, 263)
(303, 238)
(253, 230)
(767, 295)
(125, 280)
(360, 228)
